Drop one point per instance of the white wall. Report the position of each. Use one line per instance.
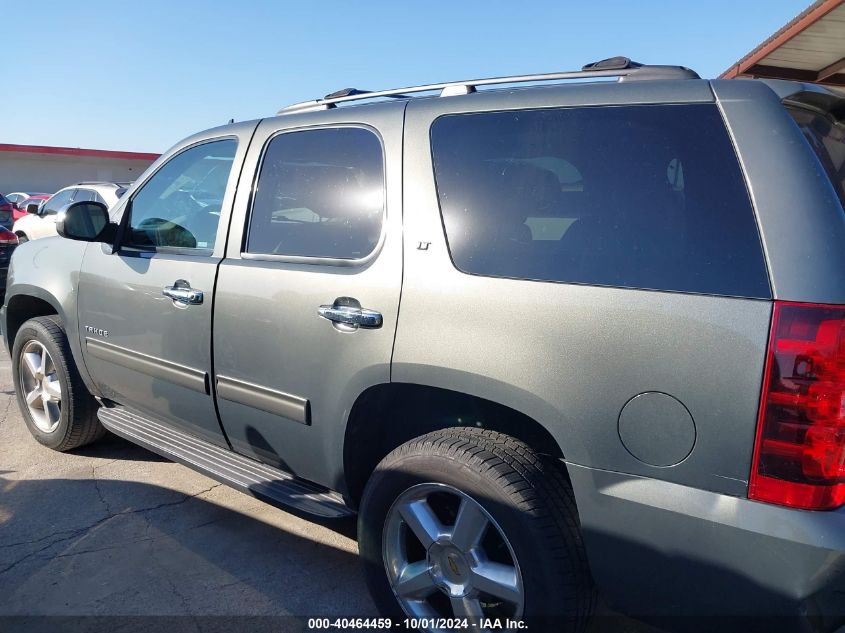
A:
(22, 171)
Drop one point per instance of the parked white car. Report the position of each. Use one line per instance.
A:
(42, 223)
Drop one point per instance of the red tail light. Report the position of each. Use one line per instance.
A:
(7, 237)
(799, 457)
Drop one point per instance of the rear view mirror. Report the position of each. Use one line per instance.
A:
(85, 221)
(32, 207)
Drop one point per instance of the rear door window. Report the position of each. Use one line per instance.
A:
(645, 196)
(84, 195)
(320, 193)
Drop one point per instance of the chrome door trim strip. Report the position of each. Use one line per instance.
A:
(188, 377)
(277, 402)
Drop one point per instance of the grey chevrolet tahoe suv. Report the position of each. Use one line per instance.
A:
(549, 342)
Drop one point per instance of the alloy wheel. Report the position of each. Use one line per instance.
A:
(446, 557)
(40, 386)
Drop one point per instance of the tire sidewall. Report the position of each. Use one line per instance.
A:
(538, 575)
(29, 331)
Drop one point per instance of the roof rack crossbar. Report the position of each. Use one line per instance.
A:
(623, 70)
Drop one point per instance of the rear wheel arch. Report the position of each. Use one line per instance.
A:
(386, 416)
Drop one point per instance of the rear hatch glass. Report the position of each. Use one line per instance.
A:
(826, 135)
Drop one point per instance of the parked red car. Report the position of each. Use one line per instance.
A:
(20, 209)
(8, 243)
(6, 210)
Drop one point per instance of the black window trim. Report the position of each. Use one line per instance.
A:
(306, 259)
(130, 250)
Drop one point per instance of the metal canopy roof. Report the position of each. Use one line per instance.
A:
(811, 48)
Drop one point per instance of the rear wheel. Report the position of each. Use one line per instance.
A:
(468, 523)
(22, 238)
(57, 408)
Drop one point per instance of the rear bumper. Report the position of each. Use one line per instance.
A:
(659, 549)
(4, 274)
(3, 326)
(5, 259)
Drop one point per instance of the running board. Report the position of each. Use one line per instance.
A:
(269, 484)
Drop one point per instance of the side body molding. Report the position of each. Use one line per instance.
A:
(188, 377)
(270, 400)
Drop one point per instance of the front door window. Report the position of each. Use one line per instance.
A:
(179, 206)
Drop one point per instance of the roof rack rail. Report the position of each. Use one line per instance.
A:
(94, 182)
(621, 67)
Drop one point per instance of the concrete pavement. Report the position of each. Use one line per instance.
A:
(113, 529)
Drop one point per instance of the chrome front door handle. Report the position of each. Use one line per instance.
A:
(347, 316)
(182, 293)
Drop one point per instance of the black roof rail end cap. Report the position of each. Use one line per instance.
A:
(612, 63)
(346, 92)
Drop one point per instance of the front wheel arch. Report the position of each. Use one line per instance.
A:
(22, 307)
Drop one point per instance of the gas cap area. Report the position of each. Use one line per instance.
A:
(657, 429)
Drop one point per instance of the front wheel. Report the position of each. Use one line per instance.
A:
(472, 524)
(58, 410)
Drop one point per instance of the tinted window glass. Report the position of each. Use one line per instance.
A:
(180, 205)
(84, 195)
(637, 196)
(826, 136)
(320, 193)
(57, 202)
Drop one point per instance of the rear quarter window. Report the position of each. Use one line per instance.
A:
(634, 196)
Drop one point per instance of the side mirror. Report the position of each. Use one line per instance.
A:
(32, 207)
(86, 222)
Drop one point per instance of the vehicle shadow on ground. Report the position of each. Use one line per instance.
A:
(156, 559)
(113, 447)
(155, 551)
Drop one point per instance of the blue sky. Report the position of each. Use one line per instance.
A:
(142, 76)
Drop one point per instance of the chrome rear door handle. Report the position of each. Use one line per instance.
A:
(350, 316)
(182, 293)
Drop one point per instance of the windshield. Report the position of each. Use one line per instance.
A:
(826, 135)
